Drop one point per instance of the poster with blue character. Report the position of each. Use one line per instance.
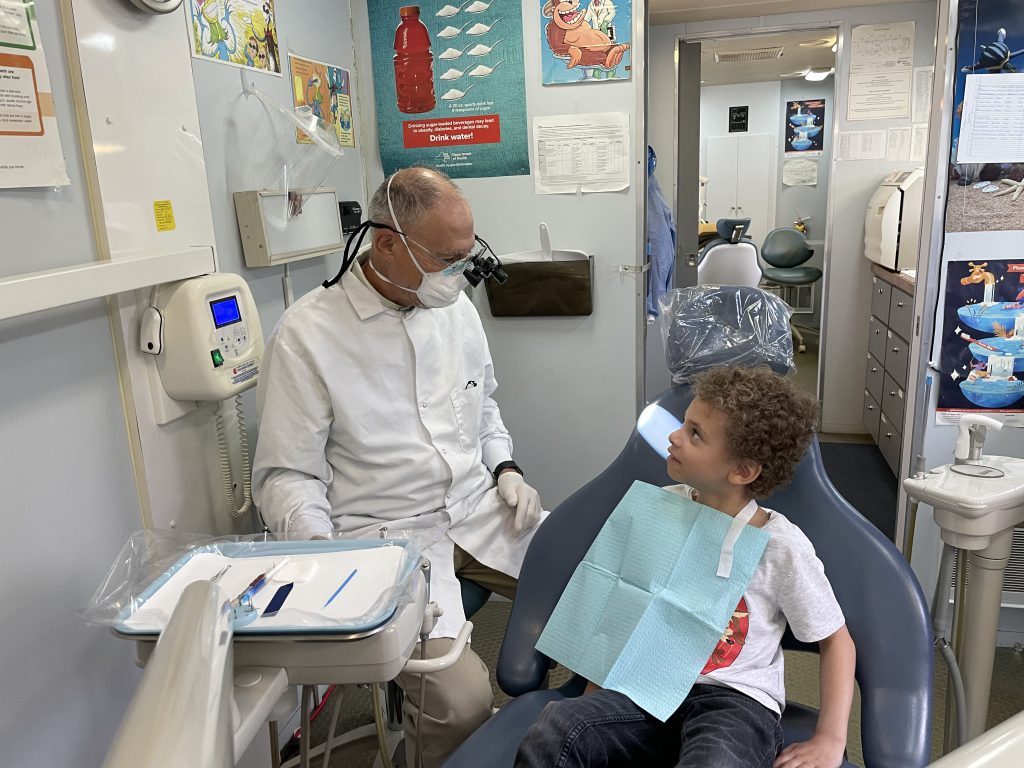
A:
(982, 353)
(585, 41)
(805, 127)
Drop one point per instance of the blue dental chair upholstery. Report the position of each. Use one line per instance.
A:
(785, 250)
(883, 603)
(731, 258)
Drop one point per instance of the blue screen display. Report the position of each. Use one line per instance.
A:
(225, 311)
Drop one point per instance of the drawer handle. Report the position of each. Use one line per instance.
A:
(871, 407)
(877, 331)
(881, 291)
(888, 434)
(892, 394)
(899, 304)
(896, 350)
(874, 370)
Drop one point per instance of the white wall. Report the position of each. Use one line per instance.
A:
(847, 287)
(69, 500)
(715, 100)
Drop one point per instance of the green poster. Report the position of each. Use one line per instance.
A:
(450, 86)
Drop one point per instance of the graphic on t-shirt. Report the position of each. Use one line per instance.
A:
(733, 638)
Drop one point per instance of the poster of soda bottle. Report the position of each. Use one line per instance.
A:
(450, 87)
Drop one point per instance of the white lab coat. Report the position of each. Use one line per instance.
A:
(598, 13)
(371, 416)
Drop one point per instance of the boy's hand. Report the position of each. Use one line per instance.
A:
(819, 751)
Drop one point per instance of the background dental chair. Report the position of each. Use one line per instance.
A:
(731, 258)
(785, 249)
(884, 607)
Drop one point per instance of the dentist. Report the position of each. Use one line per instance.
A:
(375, 407)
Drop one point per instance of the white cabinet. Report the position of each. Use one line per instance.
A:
(741, 181)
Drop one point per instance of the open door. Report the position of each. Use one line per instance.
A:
(688, 161)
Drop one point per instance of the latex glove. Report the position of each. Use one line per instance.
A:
(521, 497)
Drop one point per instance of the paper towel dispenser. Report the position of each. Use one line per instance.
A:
(892, 226)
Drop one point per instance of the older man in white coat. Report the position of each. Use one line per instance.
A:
(375, 405)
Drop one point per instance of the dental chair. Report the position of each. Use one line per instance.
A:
(884, 607)
(731, 258)
(785, 250)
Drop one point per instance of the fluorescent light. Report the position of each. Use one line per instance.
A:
(815, 75)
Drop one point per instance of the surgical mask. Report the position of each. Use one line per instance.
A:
(436, 289)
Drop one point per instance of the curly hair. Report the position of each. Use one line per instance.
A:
(767, 420)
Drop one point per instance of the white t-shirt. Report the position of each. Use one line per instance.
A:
(789, 585)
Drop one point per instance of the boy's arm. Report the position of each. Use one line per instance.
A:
(825, 748)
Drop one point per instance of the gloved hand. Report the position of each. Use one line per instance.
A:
(523, 498)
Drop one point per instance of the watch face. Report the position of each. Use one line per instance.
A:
(157, 6)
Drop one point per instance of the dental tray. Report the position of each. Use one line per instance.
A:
(368, 577)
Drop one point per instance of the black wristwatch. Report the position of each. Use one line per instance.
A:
(507, 465)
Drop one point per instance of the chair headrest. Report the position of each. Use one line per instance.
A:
(786, 247)
(726, 229)
(707, 327)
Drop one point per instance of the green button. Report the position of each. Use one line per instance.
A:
(218, 358)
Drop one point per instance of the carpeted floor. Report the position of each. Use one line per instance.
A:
(801, 686)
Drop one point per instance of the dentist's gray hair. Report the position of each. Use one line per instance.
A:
(414, 192)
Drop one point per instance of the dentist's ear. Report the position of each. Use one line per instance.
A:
(384, 242)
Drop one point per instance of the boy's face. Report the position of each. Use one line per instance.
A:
(698, 452)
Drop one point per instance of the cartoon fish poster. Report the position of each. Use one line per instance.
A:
(450, 87)
(586, 41)
(242, 33)
(325, 89)
(982, 344)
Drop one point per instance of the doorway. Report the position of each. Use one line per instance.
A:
(754, 143)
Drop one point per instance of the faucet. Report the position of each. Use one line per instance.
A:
(970, 439)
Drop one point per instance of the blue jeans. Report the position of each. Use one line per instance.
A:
(714, 727)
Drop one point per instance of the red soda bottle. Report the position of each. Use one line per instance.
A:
(414, 63)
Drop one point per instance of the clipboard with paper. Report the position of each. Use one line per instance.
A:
(646, 607)
(545, 282)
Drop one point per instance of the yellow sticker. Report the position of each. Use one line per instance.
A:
(163, 212)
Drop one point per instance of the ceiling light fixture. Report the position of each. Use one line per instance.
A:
(814, 75)
(819, 43)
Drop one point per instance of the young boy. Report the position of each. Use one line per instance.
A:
(742, 438)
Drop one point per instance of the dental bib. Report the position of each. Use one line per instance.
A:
(646, 607)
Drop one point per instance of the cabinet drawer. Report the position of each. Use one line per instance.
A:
(874, 375)
(876, 338)
(893, 402)
(871, 414)
(897, 357)
(889, 442)
(880, 293)
(901, 314)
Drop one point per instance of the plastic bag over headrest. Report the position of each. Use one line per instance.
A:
(708, 326)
